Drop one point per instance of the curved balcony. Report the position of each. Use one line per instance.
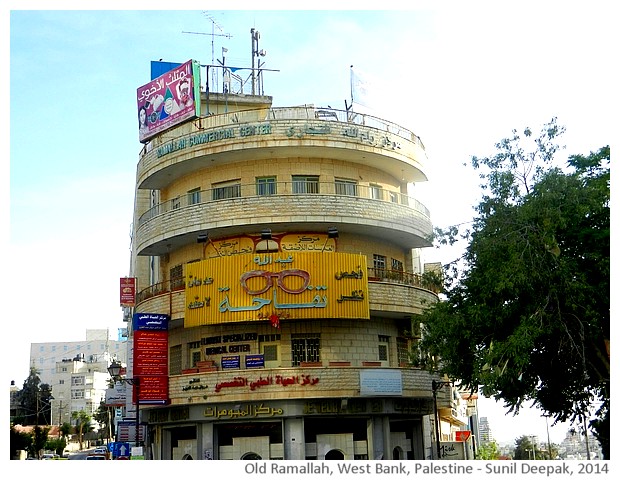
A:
(176, 223)
(280, 133)
(391, 293)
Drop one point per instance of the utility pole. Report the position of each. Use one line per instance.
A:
(59, 416)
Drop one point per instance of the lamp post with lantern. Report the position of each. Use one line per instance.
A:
(115, 372)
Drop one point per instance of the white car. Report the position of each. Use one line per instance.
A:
(100, 451)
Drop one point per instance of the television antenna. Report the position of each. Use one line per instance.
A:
(214, 25)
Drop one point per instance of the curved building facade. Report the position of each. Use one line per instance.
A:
(283, 246)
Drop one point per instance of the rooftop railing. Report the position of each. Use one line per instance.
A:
(304, 112)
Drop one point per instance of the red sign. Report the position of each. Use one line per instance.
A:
(128, 292)
(462, 435)
(150, 364)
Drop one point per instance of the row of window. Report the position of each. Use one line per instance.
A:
(301, 184)
(304, 348)
(65, 348)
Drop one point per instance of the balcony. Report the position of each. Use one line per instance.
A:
(391, 293)
(255, 135)
(288, 206)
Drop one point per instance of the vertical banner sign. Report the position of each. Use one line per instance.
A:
(168, 100)
(128, 292)
(150, 357)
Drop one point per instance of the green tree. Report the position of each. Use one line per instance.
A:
(39, 439)
(103, 416)
(19, 441)
(526, 310)
(65, 430)
(525, 449)
(488, 451)
(58, 445)
(82, 424)
(35, 400)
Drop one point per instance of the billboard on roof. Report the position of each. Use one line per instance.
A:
(169, 100)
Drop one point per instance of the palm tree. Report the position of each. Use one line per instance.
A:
(82, 424)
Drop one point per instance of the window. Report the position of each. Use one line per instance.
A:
(346, 187)
(175, 360)
(271, 354)
(226, 190)
(393, 197)
(305, 184)
(176, 202)
(397, 265)
(195, 357)
(306, 348)
(376, 192)
(77, 394)
(266, 186)
(77, 381)
(402, 350)
(384, 349)
(193, 196)
(176, 277)
(379, 262)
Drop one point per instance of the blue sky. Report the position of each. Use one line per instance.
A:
(460, 77)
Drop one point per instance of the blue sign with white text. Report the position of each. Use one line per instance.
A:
(150, 321)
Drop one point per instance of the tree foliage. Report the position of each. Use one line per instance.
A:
(104, 416)
(35, 401)
(83, 424)
(19, 441)
(488, 451)
(526, 312)
(39, 439)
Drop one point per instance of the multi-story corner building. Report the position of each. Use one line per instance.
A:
(283, 246)
(77, 371)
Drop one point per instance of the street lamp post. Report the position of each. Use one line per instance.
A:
(115, 372)
(437, 386)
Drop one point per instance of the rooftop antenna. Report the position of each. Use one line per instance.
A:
(255, 54)
(214, 24)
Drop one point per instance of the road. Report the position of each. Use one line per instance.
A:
(81, 455)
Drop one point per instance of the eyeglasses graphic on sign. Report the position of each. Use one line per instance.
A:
(280, 280)
(258, 282)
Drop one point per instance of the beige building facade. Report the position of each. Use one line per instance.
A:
(284, 244)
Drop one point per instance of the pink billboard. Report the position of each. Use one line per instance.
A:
(170, 99)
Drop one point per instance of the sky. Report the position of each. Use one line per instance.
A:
(461, 77)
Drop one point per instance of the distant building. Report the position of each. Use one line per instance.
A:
(77, 371)
(579, 447)
(486, 435)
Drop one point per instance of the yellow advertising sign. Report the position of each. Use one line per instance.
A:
(248, 287)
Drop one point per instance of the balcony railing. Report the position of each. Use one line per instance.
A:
(307, 112)
(295, 187)
(374, 274)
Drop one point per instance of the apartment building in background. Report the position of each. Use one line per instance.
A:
(77, 370)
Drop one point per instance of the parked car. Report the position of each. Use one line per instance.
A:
(100, 451)
(96, 457)
(50, 456)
